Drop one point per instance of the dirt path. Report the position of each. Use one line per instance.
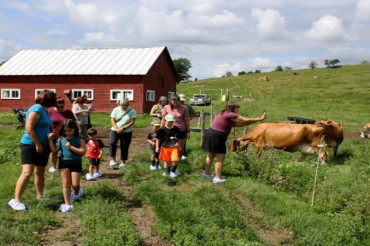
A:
(69, 230)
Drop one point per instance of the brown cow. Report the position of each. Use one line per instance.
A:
(289, 137)
(265, 78)
(333, 135)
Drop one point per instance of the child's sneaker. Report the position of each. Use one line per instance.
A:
(66, 208)
(52, 170)
(77, 197)
(98, 174)
(218, 180)
(174, 174)
(158, 167)
(183, 158)
(208, 176)
(113, 163)
(121, 166)
(16, 205)
(166, 174)
(89, 177)
(153, 167)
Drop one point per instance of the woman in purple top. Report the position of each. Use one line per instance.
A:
(215, 138)
(181, 114)
(58, 115)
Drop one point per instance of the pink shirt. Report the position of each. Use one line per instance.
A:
(223, 122)
(57, 117)
(180, 112)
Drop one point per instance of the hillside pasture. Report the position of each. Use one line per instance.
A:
(264, 201)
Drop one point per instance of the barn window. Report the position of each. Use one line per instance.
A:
(10, 93)
(150, 95)
(37, 91)
(116, 94)
(170, 93)
(89, 93)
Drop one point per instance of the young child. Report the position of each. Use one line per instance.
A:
(72, 147)
(167, 141)
(93, 153)
(151, 139)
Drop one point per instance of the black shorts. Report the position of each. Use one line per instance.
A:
(182, 134)
(214, 141)
(93, 161)
(30, 156)
(77, 167)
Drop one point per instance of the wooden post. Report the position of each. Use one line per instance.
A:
(211, 115)
(202, 124)
(245, 130)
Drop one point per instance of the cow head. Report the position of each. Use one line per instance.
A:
(365, 133)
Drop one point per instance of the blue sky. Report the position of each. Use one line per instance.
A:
(215, 35)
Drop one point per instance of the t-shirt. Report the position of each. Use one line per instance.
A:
(42, 127)
(117, 113)
(223, 122)
(93, 149)
(67, 156)
(180, 112)
(167, 136)
(83, 118)
(57, 117)
(190, 109)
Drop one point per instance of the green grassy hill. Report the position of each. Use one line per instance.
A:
(341, 94)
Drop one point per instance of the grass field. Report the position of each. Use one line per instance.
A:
(264, 201)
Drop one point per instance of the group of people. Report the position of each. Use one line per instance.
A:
(68, 139)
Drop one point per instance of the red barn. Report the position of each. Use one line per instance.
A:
(141, 74)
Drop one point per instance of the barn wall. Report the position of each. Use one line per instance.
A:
(162, 69)
(101, 85)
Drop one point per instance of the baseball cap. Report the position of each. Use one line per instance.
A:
(170, 117)
(155, 123)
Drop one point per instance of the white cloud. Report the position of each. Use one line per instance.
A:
(327, 29)
(89, 14)
(221, 69)
(7, 49)
(363, 9)
(260, 63)
(271, 25)
(18, 5)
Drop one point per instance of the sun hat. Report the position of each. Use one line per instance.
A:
(162, 98)
(155, 123)
(170, 117)
(182, 97)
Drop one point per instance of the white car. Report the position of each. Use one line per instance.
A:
(200, 99)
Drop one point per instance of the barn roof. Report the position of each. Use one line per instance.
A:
(103, 61)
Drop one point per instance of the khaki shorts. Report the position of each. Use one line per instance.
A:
(169, 154)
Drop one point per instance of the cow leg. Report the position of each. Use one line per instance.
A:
(335, 152)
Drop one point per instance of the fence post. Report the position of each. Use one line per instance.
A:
(202, 124)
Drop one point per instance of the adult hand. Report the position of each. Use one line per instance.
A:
(264, 116)
(188, 134)
(39, 148)
(51, 136)
(119, 130)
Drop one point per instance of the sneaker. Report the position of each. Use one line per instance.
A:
(174, 174)
(98, 174)
(218, 180)
(121, 166)
(77, 197)
(183, 158)
(113, 163)
(208, 176)
(165, 174)
(89, 177)
(16, 205)
(52, 170)
(66, 208)
(153, 167)
(158, 167)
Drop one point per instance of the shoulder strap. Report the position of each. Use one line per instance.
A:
(120, 118)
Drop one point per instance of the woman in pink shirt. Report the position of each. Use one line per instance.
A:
(215, 138)
(181, 114)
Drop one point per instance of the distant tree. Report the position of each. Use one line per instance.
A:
(287, 68)
(334, 62)
(241, 73)
(279, 68)
(257, 71)
(250, 72)
(229, 74)
(196, 79)
(312, 65)
(182, 66)
(326, 62)
(364, 62)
